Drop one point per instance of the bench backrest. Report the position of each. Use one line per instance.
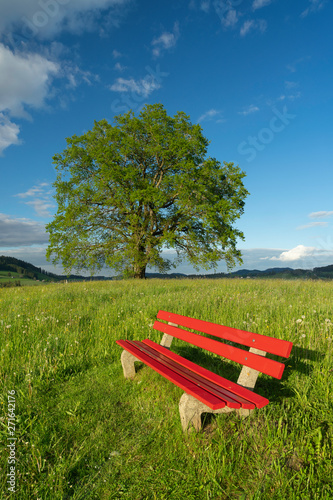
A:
(246, 358)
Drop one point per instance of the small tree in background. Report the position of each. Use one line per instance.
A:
(127, 191)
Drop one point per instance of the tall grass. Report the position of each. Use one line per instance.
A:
(84, 432)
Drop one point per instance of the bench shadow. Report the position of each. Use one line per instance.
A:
(300, 360)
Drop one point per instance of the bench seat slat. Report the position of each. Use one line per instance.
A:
(232, 400)
(236, 389)
(201, 394)
(265, 343)
(255, 361)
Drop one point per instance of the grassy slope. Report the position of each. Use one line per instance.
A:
(24, 280)
(83, 432)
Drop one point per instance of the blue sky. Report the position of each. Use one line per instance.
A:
(257, 75)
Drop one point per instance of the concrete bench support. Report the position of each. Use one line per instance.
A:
(191, 409)
(127, 362)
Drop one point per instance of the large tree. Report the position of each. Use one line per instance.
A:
(130, 190)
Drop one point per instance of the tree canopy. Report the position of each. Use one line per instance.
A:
(127, 192)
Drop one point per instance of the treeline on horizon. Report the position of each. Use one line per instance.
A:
(27, 270)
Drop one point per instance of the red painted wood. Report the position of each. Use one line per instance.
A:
(258, 400)
(201, 394)
(232, 400)
(260, 363)
(263, 342)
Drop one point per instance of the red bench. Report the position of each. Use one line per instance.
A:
(206, 392)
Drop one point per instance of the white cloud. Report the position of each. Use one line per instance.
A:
(119, 67)
(249, 110)
(46, 18)
(8, 133)
(315, 6)
(298, 253)
(21, 231)
(42, 199)
(41, 207)
(36, 190)
(257, 4)
(320, 215)
(259, 25)
(209, 115)
(290, 85)
(294, 65)
(231, 19)
(313, 224)
(205, 6)
(116, 54)
(143, 87)
(166, 41)
(24, 81)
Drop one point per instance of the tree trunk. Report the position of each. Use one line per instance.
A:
(140, 272)
(140, 263)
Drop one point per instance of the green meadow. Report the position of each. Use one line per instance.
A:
(84, 432)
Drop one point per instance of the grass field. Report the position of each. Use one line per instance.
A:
(83, 432)
(24, 280)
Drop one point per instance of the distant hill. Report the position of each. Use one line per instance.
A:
(21, 269)
(275, 272)
(29, 271)
(24, 269)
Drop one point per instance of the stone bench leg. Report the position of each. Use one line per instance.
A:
(191, 409)
(127, 362)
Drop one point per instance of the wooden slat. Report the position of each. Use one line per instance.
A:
(262, 342)
(201, 394)
(236, 389)
(231, 399)
(260, 363)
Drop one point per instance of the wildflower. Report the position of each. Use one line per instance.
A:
(303, 336)
(299, 321)
(8, 326)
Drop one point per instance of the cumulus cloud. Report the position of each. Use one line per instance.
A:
(24, 81)
(21, 231)
(298, 253)
(46, 18)
(27, 83)
(165, 41)
(9, 132)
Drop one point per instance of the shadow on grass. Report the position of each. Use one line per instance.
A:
(266, 386)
